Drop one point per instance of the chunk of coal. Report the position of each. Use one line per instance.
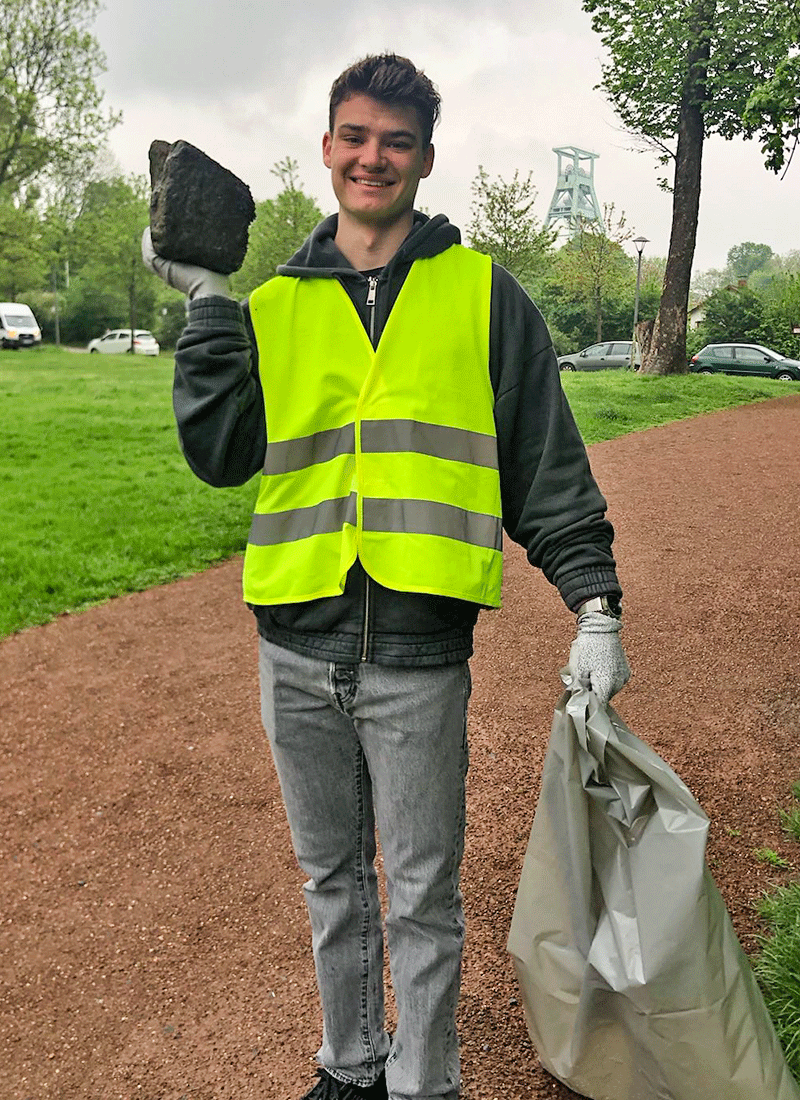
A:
(200, 213)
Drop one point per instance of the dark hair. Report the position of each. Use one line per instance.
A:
(389, 79)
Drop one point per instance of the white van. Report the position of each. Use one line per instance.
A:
(18, 326)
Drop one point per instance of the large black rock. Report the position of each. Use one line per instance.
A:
(200, 213)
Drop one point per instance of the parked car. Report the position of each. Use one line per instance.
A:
(611, 355)
(118, 341)
(744, 359)
(18, 327)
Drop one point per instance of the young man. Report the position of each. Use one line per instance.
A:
(401, 397)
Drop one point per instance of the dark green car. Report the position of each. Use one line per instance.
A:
(745, 359)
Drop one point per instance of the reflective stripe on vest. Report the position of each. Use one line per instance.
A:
(389, 454)
(424, 517)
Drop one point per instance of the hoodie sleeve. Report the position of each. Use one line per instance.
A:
(551, 503)
(217, 398)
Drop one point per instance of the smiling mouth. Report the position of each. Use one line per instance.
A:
(371, 183)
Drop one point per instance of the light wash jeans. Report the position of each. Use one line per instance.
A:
(354, 744)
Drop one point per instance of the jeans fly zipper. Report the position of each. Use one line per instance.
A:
(365, 636)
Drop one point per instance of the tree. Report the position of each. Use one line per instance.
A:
(774, 107)
(22, 263)
(65, 197)
(570, 318)
(706, 282)
(570, 325)
(106, 244)
(732, 313)
(780, 326)
(50, 105)
(747, 257)
(594, 267)
(765, 311)
(280, 227)
(504, 226)
(678, 73)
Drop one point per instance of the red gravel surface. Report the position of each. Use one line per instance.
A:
(154, 942)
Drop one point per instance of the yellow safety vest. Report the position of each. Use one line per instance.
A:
(388, 454)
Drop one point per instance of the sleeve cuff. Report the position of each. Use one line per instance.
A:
(583, 586)
(214, 311)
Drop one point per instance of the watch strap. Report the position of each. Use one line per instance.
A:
(606, 605)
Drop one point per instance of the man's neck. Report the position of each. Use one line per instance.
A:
(371, 246)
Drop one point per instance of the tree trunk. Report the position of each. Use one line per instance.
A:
(132, 305)
(667, 353)
(57, 318)
(644, 337)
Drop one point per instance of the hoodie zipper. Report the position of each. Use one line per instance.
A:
(372, 293)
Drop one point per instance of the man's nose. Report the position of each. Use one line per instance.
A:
(372, 156)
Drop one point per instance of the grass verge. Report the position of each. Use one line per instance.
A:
(777, 967)
(607, 404)
(777, 964)
(97, 500)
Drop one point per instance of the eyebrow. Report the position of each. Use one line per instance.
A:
(353, 128)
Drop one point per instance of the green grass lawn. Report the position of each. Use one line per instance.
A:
(97, 499)
(95, 496)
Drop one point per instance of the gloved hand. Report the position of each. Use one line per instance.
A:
(597, 658)
(194, 282)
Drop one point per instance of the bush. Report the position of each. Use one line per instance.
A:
(696, 339)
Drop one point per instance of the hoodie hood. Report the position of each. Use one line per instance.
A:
(318, 256)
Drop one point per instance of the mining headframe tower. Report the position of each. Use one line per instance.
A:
(574, 203)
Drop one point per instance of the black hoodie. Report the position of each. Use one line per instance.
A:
(551, 503)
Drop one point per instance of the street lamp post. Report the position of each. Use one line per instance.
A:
(639, 243)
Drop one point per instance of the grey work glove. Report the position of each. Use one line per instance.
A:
(194, 282)
(597, 658)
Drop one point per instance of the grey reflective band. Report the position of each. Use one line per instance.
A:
(455, 444)
(428, 517)
(419, 517)
(296, 454)
(302, 523)
(383, 437)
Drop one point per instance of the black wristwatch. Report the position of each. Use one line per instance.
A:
(606, 605)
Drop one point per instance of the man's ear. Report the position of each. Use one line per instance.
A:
(326, 149)
(427, 164)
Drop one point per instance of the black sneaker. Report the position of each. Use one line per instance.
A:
(328, 1088)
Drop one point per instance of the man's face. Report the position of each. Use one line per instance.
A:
(377, 157)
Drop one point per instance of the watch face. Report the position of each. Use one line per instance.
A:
(614, 605)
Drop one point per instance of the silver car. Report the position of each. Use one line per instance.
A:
(610, 355)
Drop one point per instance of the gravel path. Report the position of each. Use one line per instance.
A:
(154, 940)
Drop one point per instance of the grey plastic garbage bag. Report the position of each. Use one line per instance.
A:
(634, 985)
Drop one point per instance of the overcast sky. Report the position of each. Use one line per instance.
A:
(247, 81)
